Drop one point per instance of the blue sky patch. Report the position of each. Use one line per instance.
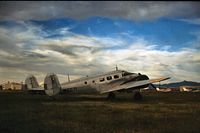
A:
(162, 31)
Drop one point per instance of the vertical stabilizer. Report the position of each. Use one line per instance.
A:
(51, 85)
(31, 82)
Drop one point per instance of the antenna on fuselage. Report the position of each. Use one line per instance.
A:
(116, 68)
(68, 78)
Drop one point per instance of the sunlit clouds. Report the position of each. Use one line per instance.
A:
(133, 38)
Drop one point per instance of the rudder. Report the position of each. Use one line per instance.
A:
(31, 82)
(51, 85)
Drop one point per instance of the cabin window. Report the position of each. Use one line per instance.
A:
(101, 79)
(85, 82)
(109, 77)
(116, 76)
(126, 73)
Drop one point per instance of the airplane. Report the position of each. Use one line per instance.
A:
(107, 83)
(164, 90)
(190, 88)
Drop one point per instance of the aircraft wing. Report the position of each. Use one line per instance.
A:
(129, 85)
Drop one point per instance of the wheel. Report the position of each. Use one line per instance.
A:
(137, 96)
(111, 96)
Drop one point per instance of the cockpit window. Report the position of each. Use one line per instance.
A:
(126, 73)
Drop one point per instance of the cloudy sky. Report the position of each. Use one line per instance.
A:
(87, 38)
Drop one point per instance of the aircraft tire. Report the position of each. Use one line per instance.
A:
(111, 96)
(137, 96)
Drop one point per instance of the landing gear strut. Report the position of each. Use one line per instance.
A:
(111, 96)
(137, 96)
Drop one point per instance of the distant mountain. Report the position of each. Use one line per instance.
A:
(178, 84)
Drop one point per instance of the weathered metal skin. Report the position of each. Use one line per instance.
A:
(51, 85)
(31, 82)
(110, 82)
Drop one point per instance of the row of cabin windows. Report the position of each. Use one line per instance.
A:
(103, 79)
(108, 78)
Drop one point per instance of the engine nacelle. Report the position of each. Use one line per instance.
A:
(51, 85)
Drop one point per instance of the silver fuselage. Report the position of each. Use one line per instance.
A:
(95, 84)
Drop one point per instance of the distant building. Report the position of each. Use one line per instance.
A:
(12, 86)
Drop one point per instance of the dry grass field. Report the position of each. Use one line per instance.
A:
(157, 112)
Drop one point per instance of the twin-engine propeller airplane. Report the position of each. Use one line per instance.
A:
(111, 82)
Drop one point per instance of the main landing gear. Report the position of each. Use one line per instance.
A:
(137, 96)
(111, 96)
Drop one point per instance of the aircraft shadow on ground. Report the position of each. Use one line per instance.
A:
(92, 98)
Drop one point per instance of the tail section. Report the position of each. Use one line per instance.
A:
(31, 82)
(51, 85)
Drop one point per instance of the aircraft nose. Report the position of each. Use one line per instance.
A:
(147, 77)
(142, 77)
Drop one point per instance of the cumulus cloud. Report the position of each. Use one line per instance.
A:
(24, 51)
(192, 21)
(134, 10)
